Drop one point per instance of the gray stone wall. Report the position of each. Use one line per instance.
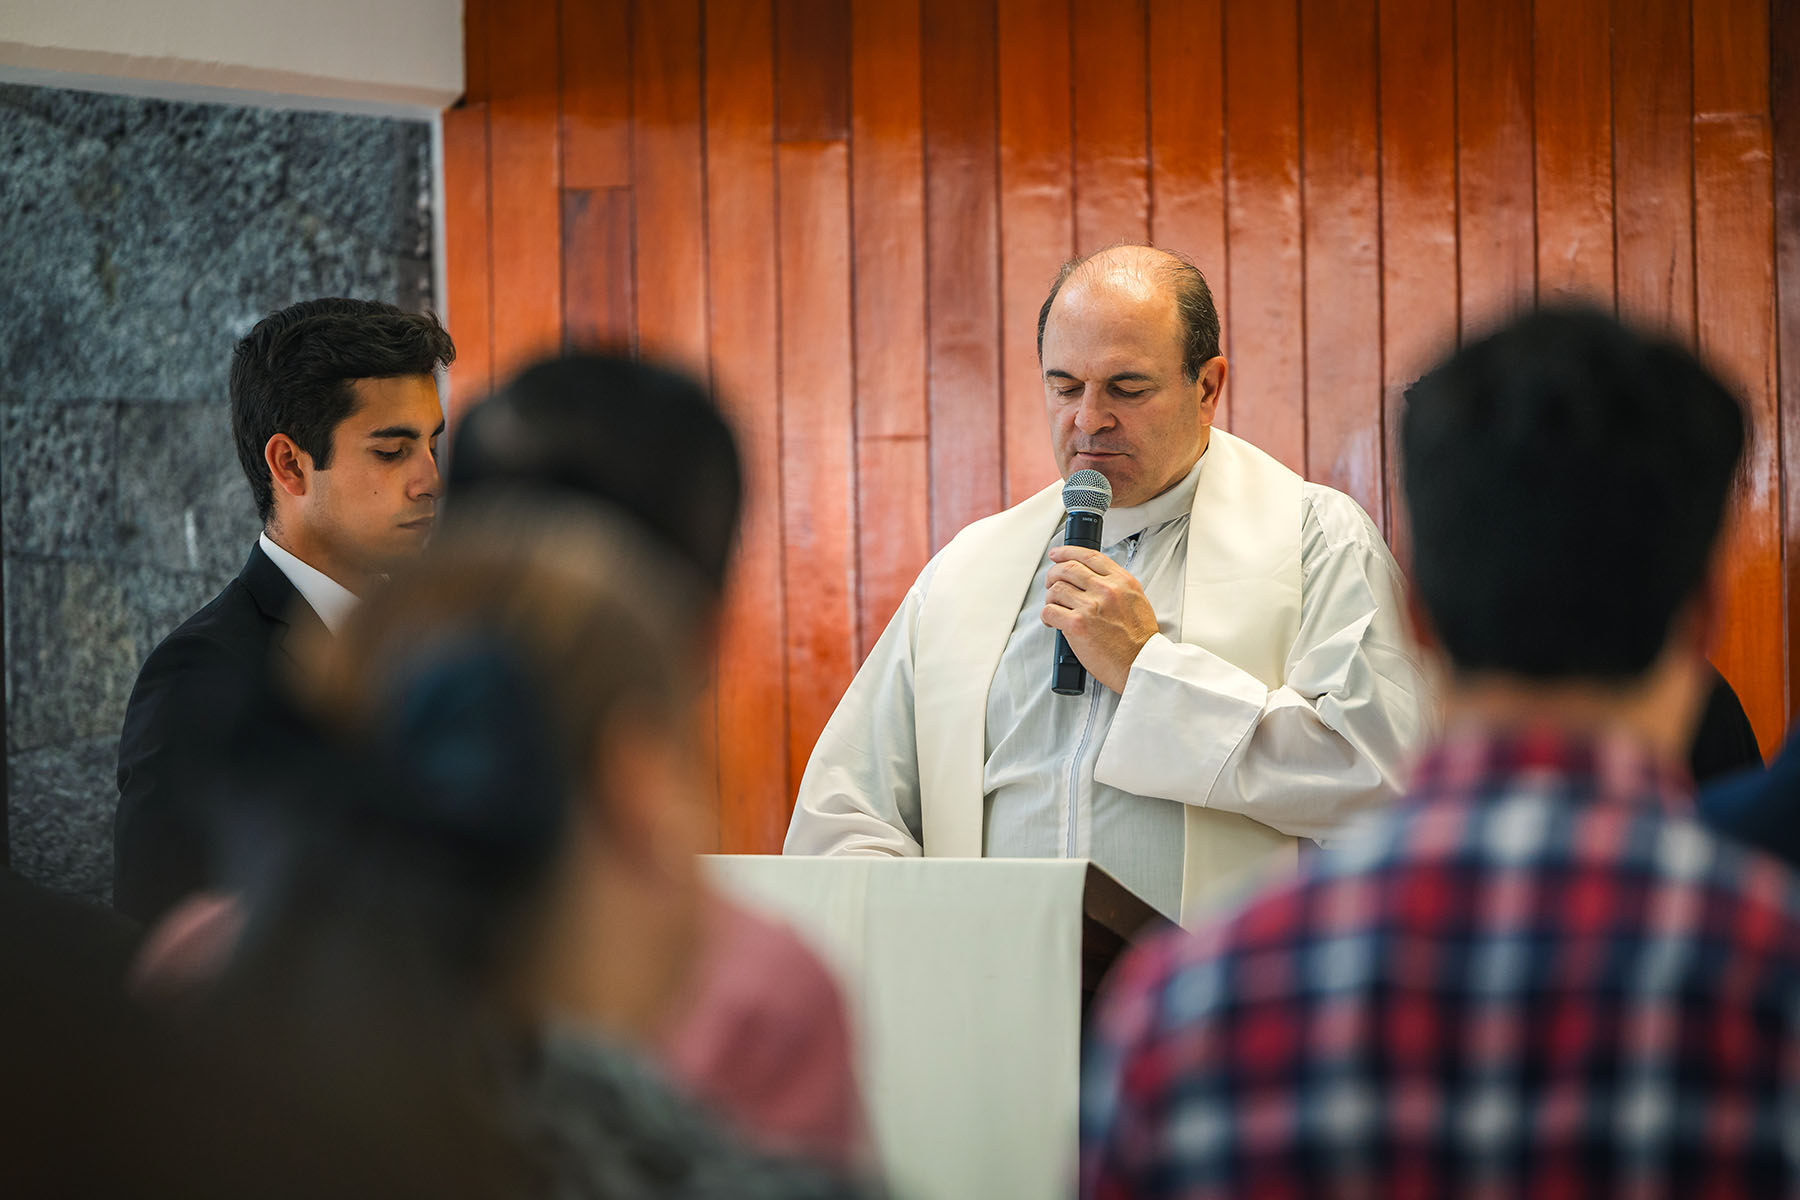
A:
(139, 239)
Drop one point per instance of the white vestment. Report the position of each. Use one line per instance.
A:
(1279, 699)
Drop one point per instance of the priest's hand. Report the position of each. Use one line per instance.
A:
(1101, 608)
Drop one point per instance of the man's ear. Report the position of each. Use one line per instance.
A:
(1211, 385)
(289, 465)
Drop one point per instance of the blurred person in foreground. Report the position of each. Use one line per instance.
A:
(99, 1097)
(761, 1033)
(70, 1060)
(334, 409)
(1540, 976)
(475, 885)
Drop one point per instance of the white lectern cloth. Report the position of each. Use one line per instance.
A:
(963, 978)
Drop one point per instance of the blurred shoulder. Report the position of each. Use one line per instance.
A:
(754, 968)
(229, 627)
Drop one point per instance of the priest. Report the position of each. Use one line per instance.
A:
(1250, 680)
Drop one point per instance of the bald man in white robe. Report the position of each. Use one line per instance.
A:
(1251, 679)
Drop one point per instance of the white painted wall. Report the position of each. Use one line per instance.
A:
(397, 57)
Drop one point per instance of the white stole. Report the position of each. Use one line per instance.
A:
(1240, 600)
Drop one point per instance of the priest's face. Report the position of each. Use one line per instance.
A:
(1113, 384)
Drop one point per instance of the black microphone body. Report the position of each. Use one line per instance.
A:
(1067, 676)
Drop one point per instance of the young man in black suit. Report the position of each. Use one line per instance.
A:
(335, 410)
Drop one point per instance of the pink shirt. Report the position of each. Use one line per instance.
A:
(764, 1040)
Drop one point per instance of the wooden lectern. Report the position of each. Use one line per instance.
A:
(967, 980)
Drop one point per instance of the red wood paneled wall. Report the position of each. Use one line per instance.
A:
(846, 213)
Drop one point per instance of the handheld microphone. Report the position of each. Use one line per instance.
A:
(1086, 496)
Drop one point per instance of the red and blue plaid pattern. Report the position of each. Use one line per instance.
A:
(1538, 978)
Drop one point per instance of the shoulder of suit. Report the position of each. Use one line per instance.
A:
(230, 624)
(1341, 521)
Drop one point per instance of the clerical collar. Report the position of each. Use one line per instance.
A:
(326, 596)
(1177, 502)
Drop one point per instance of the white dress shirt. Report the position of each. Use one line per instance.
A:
(1104, 775)
(325, 595)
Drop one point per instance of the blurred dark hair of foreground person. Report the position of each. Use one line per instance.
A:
(763, 1037)
(644, 439)
(468, 873)
(99, 1097)
(1540, 976)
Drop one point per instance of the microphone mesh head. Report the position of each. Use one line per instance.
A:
(1087, 491)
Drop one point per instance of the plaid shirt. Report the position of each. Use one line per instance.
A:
(1537, 978)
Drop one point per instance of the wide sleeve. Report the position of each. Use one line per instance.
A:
(1309, 756)
(860, 793)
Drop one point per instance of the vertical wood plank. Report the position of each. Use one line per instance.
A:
(1187, 139)
(1735, 307)
(596, 93)
(669, 211)
(1653, 163)
(962, 272)
(754, 788)
(812, 70)
(1731, 58)
(475, 50)
(1037, 218)
(669, 224)
(817, 435)
(525, 203)
(1497, 235)
(1187, 128)
(1339, 138)
(893, 536)
(1265, 395)
(887, 189)
(1418, 212)
(1572, 95)
(597, 269)
(1112, 169)
(1784, 107)
(467, 266)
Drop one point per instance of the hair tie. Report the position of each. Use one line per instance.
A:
(468, 731)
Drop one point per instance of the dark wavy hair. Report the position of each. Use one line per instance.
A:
(291, 374)
(647, 440)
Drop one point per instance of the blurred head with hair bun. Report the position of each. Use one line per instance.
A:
(474, 819)
(524, 697)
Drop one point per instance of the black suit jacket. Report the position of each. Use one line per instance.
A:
(176, 722)
(1759, 807)
(1724, 741)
